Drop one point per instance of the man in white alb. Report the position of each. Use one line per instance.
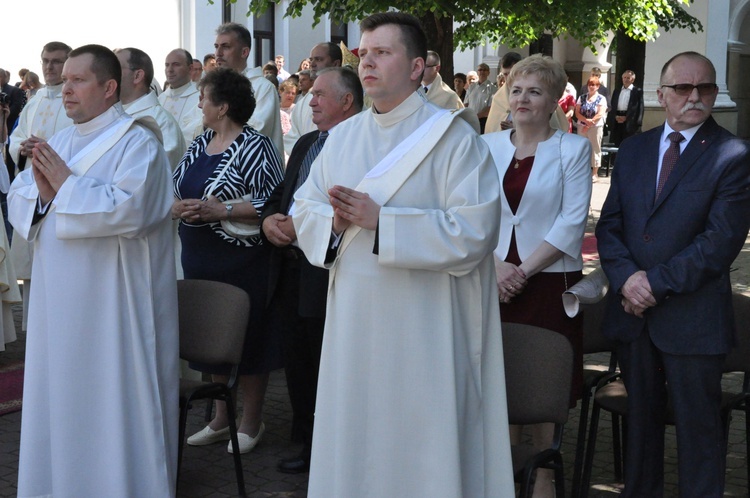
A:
(232, 45)
(41, 117)
(182, 96)
(435, 89)
(101, 388)
(139, 101)
(322, 55)
(411, 391)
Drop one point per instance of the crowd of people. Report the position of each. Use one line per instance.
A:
(385, 225)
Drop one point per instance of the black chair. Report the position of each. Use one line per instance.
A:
(213, 323)
(593, 342)
(538, 376)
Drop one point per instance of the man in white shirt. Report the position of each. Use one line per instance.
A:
(626, 118)
(283, 74)
(139, 101)
(479, 95)
(322, 55)
(435, 89)
(182, 96)
(42, 117)
(232, 46)
(101, 389)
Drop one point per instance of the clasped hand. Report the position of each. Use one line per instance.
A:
(199, 211)
(352, 207)
(637, 296)
(49, 170)
(279, 229)
(511, 280)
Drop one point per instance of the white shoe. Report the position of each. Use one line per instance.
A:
(246, 442)
(208, 436)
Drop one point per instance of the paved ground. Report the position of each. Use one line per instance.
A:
(208, 471)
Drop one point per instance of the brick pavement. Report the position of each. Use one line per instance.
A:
(208, 471)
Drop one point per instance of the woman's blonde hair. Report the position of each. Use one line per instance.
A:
(549, 71)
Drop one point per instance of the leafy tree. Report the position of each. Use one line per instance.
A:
(515, 23)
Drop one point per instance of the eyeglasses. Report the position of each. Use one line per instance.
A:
(686, 89)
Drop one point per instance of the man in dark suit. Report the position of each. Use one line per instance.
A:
(627, 110)
(298, 289)
(676, 216)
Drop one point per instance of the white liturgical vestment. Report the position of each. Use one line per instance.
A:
(442, 95)
(266, 119)
(100, 414)
(172, 138)
(182, 103)
(411, 392)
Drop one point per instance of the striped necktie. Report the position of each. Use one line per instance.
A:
(312, 153)
(670, 159)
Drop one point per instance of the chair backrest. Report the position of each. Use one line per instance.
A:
(593, 319)
(738, 360)
(213, 321)
(538, 374)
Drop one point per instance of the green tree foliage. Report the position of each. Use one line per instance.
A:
(517, 23)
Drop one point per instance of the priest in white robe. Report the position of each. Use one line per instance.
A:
(435, 88)
(232, 45)
(139, 101)
(100, 396)
(182, 96)
(402, 205)
(41, 117)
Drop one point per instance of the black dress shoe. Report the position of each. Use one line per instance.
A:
(296, 465)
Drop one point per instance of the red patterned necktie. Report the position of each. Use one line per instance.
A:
(670, 159)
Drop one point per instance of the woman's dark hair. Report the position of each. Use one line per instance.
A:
(226, 86)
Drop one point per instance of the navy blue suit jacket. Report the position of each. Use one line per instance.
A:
(685, 240)
(313, 283)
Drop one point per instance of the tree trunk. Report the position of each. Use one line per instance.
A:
(440, 39)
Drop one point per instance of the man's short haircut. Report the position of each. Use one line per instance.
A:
(549, 72)
(510, 59)
(138, 59)
(483, 66)
(334, 51)
(412, 33)
(226, 86)
(434, 55)
(630, 72)
(306, 72)
(690, 55)
(238, 30)
(54, 46)
(460, 76)
(270, 66)
(106, 65)
(348, 82)
(596, 71)
(208, 57)
(188, 57)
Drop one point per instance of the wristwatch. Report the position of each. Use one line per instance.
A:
(229, 210)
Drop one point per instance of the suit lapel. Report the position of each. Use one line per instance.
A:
(697, 146)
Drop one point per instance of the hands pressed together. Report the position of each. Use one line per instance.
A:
(352, 207)
(279, 229)
(511, 280)
(49, 170)
(637, 296)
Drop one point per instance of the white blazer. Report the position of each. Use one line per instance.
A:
(555, 203)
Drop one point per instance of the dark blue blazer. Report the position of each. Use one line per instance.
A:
(685, 241)
(313, 284)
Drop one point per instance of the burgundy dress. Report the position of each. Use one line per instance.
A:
(540, 303)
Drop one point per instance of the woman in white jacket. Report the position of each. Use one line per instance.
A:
(545, 202)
